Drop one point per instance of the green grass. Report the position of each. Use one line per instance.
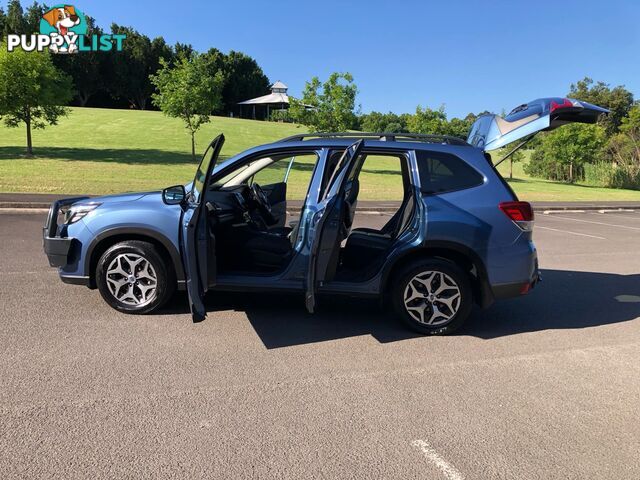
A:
(100, 151)
(537, 189)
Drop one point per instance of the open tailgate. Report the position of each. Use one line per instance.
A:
(490, 131)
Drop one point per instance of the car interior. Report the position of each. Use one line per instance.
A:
(254, 235)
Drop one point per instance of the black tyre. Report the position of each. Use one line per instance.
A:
(133, 277)
(432, 296)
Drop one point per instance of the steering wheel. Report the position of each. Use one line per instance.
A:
(262, 202)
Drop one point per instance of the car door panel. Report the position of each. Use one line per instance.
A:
(328, 223)
(197, 243)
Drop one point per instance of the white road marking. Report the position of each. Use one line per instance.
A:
(567, 231)
(615, 210)
(23, 210)
(549, 212)
(597, 223)
(434, 457)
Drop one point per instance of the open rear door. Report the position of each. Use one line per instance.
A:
(490, 132)
(328, 223)
(196, 242)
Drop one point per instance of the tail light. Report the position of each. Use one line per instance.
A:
(520, 213)
(566, 103)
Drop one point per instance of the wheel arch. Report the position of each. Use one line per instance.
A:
(108, 238)
(456, 253)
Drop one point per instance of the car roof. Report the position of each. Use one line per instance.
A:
(292, 143)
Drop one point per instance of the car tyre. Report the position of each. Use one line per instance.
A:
(133, 277)
(433, 296)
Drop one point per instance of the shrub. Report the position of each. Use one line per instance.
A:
(563, 153)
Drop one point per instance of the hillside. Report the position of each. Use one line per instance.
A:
(100, 151)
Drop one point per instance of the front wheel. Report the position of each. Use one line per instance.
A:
(432, 296)
(133, 277)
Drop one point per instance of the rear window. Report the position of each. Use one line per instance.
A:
(443, 172)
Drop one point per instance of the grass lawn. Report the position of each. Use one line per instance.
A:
(99, 151)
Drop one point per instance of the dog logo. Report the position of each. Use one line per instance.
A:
(66, 22)
(63, 29)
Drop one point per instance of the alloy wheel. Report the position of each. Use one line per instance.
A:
(432, 298)
(132, 280)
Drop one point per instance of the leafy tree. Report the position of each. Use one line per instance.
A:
(32, 17)
(459, 127)
(183, 50)
(3, 21)
(87, 69)
(384, 122)
(186, 91)
(428, 121)
(32, 90)
(328, 106)
(618, 100)
(631, 123)
(131, 68)
(245, 79)
(15, 22)
(562, 154)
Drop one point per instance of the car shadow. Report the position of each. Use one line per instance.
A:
(564, 300)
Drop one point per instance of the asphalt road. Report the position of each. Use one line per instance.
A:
(546, 386)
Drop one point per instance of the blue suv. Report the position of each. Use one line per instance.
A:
(460, 236)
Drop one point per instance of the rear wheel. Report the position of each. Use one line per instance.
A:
(432, 296)
(133, 277)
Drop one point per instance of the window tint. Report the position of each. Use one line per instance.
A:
(442, 172)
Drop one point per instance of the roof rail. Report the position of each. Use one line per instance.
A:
(383, 136)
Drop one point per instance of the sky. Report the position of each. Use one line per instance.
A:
(469, 56)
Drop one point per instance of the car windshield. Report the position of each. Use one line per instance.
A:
(201, 174)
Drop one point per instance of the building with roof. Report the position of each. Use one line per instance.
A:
(262, 107)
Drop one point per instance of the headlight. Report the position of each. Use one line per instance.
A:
(76, 213)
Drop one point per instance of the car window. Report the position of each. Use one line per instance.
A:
(293, 169)
(443, 172)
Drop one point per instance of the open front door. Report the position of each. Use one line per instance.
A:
(330, 224)
(490, 132)
(196, 240)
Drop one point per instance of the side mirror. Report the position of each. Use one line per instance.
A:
(174, 195)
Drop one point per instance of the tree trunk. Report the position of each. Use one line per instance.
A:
(83, 97)
(29, 143)
(193, 146)
(511, 168)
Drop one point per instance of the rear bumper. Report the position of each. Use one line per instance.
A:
(510, 290)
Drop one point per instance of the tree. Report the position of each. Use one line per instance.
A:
(245, 79)
(86, 69)
(15, 22)
(140, 57)
(32, 90)
(618, 100)
(562, 154)
(428, 121)
(3, 21)
(188, 92)
(32, 17)
(328, 106)
(384, 122)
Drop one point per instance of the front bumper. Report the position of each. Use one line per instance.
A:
(56, 245)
